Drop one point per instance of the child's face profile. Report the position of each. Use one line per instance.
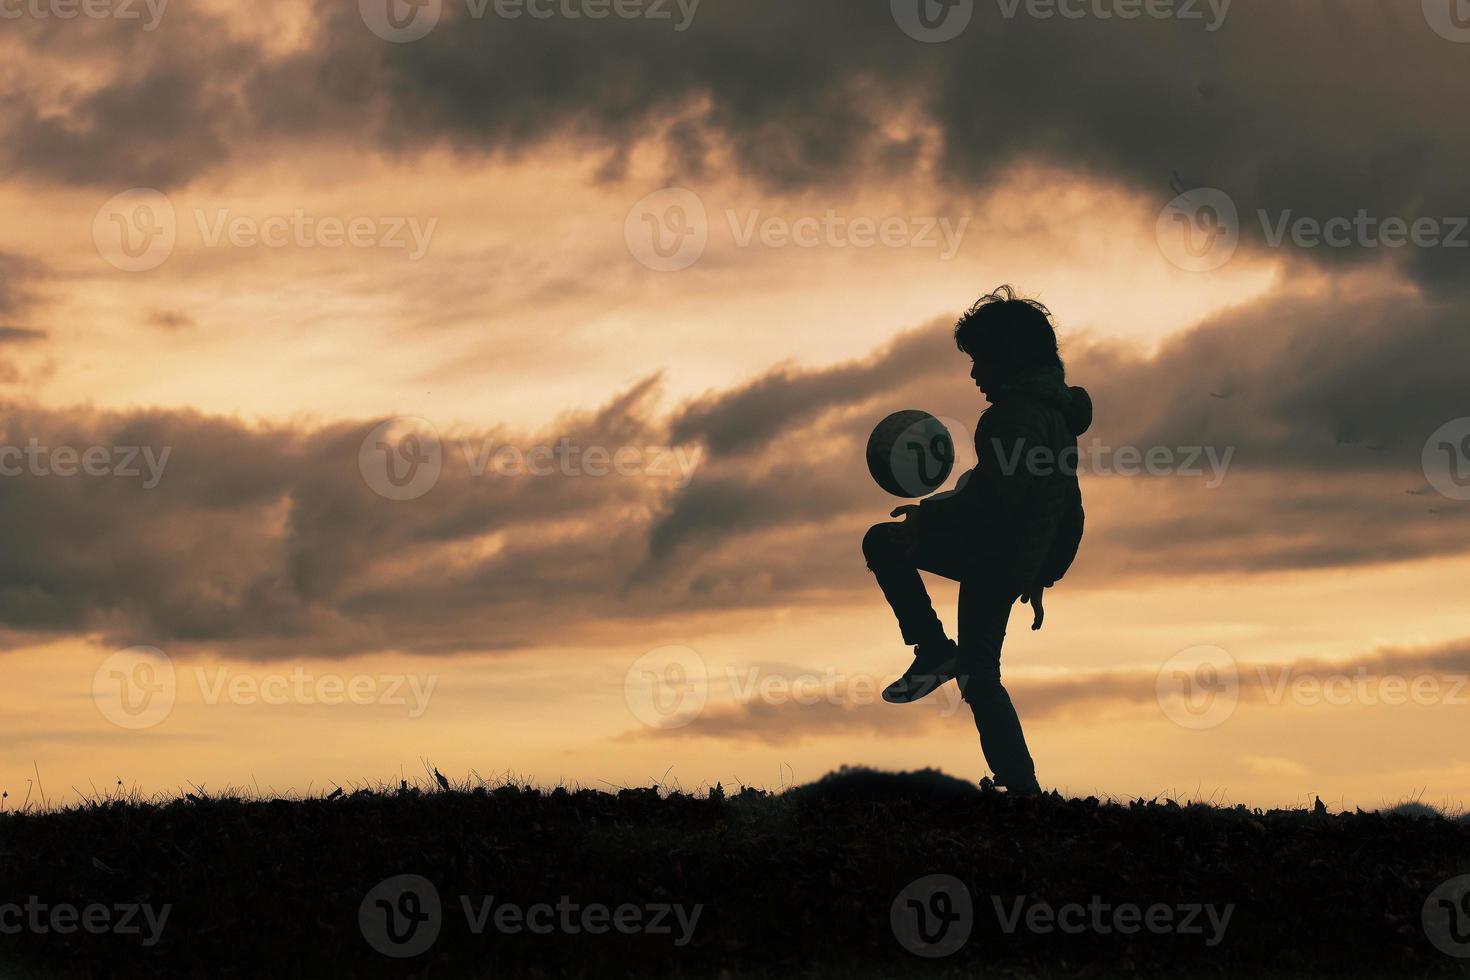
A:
(981, 375)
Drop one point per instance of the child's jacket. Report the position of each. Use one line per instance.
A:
(1018, 513)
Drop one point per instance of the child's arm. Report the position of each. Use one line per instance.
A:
(1059, 559)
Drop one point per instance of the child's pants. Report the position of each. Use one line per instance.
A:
(896, 553)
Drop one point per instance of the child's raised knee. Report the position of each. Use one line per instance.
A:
(878, 543)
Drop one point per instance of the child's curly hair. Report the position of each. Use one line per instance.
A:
(1008, 332)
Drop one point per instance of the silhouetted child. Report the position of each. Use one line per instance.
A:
(1009, 530)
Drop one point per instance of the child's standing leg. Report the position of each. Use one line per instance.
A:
(984, 613)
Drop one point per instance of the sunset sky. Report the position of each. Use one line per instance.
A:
(239, 239)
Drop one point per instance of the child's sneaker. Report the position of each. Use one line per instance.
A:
(933, 666)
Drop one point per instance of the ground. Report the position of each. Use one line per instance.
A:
(824, 880)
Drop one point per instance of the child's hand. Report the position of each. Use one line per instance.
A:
(906, 511)
(1034, 598)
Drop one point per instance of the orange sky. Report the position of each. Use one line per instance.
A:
(490, 624)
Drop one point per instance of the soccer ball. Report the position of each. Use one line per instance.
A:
(910, 454)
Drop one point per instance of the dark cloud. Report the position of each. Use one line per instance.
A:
(1331, 399)
(791, 723)
(266, 541)
(162, 109)
(18, 279)
(170, 320)
(20, 335)
(787, 400)
(1315, 108)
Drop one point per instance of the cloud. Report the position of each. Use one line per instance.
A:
(155, 110)
(1310, 109)
(18, 278)
(852, 709)
(1322, 434)
(170, 320)
(266, 541)
(20, 335)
